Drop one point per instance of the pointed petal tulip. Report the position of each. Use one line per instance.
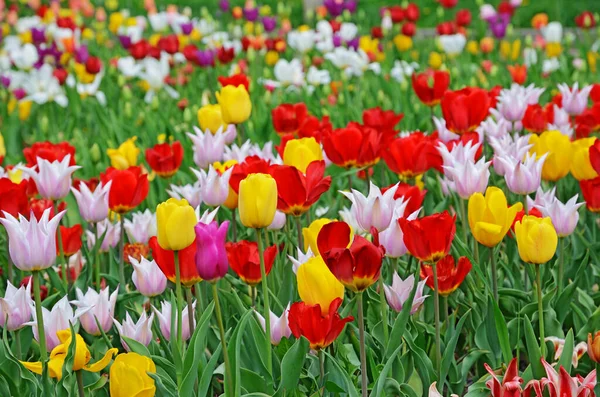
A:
(53, 179)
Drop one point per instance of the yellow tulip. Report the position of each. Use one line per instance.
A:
(403, 43)
(581, 168)
(115, 21)
(592, 59)
(516, 50)
(553, 50)
(257, 200)
(310, 233)
(271, 58)
(80, 360)
(301, 152)
(536, 239)
(473, 47)
(317, 285)
(231, 201)
(490, 217)
(435, 60)
(2, 147)
(560, 153)
(209, 118)
(235, 104)
(125, 155)
(175, 221)
(129, 378)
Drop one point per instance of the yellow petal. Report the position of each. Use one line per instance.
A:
(35, 367)
(103, 363)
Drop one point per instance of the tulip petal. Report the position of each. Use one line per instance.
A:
(102, 363)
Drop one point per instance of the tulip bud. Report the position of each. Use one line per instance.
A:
(175, 221)
(317, 285)
(536, 239)
(44, 123)
(155, 104)
(187, 115)
(127, 110)
(126, 92)
(95, 153)
(257, 200)
(593, 347)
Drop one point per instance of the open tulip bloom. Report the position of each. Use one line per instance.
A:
(289, 198)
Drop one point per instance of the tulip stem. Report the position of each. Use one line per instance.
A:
(228, 385)
(16, 335)
(494, 275)
(322, 369)
(79, 376)
(436, 309)
(121, 253)
(384, 311)
(561, 265)
(97, 258)
(234, 224)
(190, 307)
(267, 309)
(41, 330)
(538, 275)
(179, 296)
(363, 353)
(61, 256)
(299, 231)
(199, 300)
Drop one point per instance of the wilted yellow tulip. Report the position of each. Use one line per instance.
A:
(317, 285)
(301, 152)
(490, 217)
(536, 239)
(310, 234)
(560, 153)
(129, 378)
(235, 104)
(80, 360)
(125, 156)
(210, 118)
(175, 221)
(257, 200)
(581, 168)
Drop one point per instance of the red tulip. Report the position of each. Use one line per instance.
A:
(287, 117)
(251, 165)
(585, 20)
(13, 198)
(536, 118)
(93, 65)
(595, 93)
(595, 155)
(308, 321)
(463, 17)
(506, 8)
(129, 188)
(140, 50)
(235, 80)
(518, 73)
(411, 12)
(493, 93)
(430, 86)
(384, 121)
(409, 193)
(244, 259)
(43, 289)
(60, 75)
(409, 29)
(445, 28)
(450, 276)
(588, 121)
(472, 137)
(591, 193)
(465, 109)
(165, 259)
(357, 263)
(413, 155)
(48, 151)
(169, 44)
(448, 3)
(377, 32)
(396, 13)
(190, 52)
(165, 159)
(297, 192)
(38, 206)
(353, 146)
(71, 239)
(225, 55)
(91, 183)
(429, 238)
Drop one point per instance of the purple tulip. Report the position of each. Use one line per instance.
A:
(125, 41)
(224, 5)
(206, 58)
(82, 54)
(5, 80)
(38, 35)
(498, 25)
(269, 23)
(211, 257)
(337, 40)
(186, 28)
(353, 44)
(251, 14)
(334, 7)
(350, 6)
(19, 93)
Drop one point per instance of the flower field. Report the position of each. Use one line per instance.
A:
(248, 199)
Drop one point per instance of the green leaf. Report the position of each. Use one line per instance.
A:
(449, 350)
(379, 385)
(234, 351)
(566, 357)
(161, 389)
(422, 362)
(291, 366)
(533, 350)
(502, 330)
(207, 374)
(351, 389)
(136, 346)
(401, 321)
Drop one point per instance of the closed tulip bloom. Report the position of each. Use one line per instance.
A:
(279, 325)
(469, 177)
(288, 118)
(301, 152)
(244, 259)
(490, 217)
(593, 347)
(465, 109)
(594, 155)
(164, 320)
(296, 191)
(429, 238)
(317, 285)
(522, 177)
(574, 100)
(564, 216)
(536, 239)
(15, 307)
(450, 276)
(32, 243)
(125, 156)
(591, 193)
(211, 257)
(71, 239)
(208, 148)
(392, 238)
(257, 200)
(175, 221)
(53, 179)
(430, 86)
(140, 331)
(165, 259)
(129, 376)
(560, 153)
(110, 231)
(310, 233)
(129, 188)
(55, 320)
(356, 263)
(93, 205)
(278, 221)
(147, 277)
(320, 327)
(375, 210)
(214, 185)
(95, 305)
(211, 119)
(141, 226)
(165, 159)
(13, 197)
(581, 167)
(398, 293)
(235, 104)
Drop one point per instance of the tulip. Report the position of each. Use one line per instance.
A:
(110, 231)
(449, 275)
(279, 325)
(93, 306)
(574, 100)
(279, 221)
(469, 177)
(375, 210)
(392, 238)
(140, 332)
(429, 238)
(430, 95)
(210, 118)
(15, 307)
(48, 151)
(164, 320)
(594, 155)
(71, 239)
(581, 167)
(235, 104)
(165, 259)
(490, 217)
(81, 357)
(129, 376)
(522, 177)
(536, 239)
(560, 153)
(465, 109)
(513, 148)
(398, 293)
(211, 257)
(288, 118)
(165, 159)
(32, 243)
(93, 205)
(243, 257)
(147, 277)
(559, 345)
(320, 327)
(511, 382)
(382, 120)
(310, 233)
(302, 152)
(257, 200)
(412, 155)
(141, 227)
(593, 347)
(317, 285)
(53, 179)
(214, 186)
(208, 146)
(125, 156)
(353, 146)
(298, 192)
(55, 320)
(13, 197)
(591, 193)
(564, 216)
(129, 188)
(189, 192)
(175, 220)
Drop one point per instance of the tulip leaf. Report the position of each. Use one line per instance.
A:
(234, 351)
(381, 379)
(351, 389)
(208, 372)
(136, 347)
(502, 330)
(195, 347)
(28, 383)
(291, 366)
(449, 350)
(422, 361)
(161, 388)
(566, 357)
(533, 350)
(399, 326)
